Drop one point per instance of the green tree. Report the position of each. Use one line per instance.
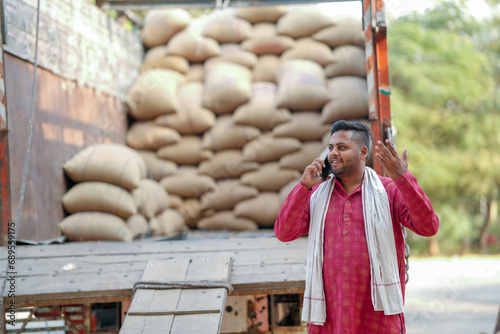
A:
(445, 102)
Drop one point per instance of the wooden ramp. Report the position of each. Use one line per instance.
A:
(180, 296)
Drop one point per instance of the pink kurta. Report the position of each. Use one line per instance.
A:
(346, 266)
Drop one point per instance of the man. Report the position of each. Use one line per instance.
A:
(355, 277)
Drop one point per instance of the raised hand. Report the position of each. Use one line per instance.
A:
(312, 173)
(393, 164)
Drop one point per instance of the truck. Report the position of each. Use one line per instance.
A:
(66, 70)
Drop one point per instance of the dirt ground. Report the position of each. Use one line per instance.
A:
(453, 295)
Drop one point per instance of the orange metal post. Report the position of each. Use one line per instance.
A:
(377, 64)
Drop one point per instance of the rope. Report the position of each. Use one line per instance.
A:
(26, 160)
(152, 285)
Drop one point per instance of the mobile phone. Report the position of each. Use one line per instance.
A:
(327, 170)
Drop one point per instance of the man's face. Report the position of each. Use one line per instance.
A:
(344, 155)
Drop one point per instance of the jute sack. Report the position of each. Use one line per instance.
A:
(348, 60)
(190, 209)
(100, 197)
(287, 189)
(269, 148)
(226, 220)
(263, 209)
(300, 159)
(227, 86)
(154, 226)
(301, 85)
(305, 126)
(193, 46)
(227, 194)
(174, 201)
(186, 152)
(309, 49)
(225, 134)
(269, 177)
(302, 22)
(171, 222)
(188, 184)
(157, 58)
(150, 198)
(226, 28)
(265, 40)
(191, 117)
(161, 24)
(258, 14)
(342, 32)
(150, 136)
(233, 53)
(196, 73)
(349, 100)
(157, 168)
(111, 163)
(139, 227)
(265, 69)
(260, 111)
(154, 94)
(89, 226)
(226, 164)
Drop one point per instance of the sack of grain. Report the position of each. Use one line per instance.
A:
(99, 197)
(190, 209)
(265, 40)
(260, 111)
(171, 222)
(301, 86)
(227, 194)
(349, 100)
(258, 14)
(188, 183)
(233, 53)
(309, 49)
(191, 117)
(111, 163)
(157, 168)
(89, 226)
(225, 134)
(265, 69)
(174, 201)
(153, 94)
(154, 226)
(186, 152)
(150, 136)
(161, 24)
(348, 60)
(227, 86)
(139, 227)
(302, 22)
(342, 32)
(157, 58)
(263, 209)
(269, 177)
(196, 73)
(305, 126)
(226, 28)
(287, 189)
(193, 46)
(226, 220)
(150, 198)
(226, 164)
(267, 148)
(300, 159)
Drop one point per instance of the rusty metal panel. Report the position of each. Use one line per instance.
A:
(67, 117)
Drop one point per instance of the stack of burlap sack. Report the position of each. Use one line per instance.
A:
(231, 107)
(112, 199)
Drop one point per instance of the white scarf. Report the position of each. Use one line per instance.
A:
(386, 287)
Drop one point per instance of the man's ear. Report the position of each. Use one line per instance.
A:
(364, 153)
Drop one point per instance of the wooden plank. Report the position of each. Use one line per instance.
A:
(152, 325)
(196, 324)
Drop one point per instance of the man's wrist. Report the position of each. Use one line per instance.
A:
(306, 187)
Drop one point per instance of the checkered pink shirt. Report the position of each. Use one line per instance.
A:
(346, 266)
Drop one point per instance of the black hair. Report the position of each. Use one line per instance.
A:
(361, 133)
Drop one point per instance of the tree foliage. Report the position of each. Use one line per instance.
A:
(446, 106)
